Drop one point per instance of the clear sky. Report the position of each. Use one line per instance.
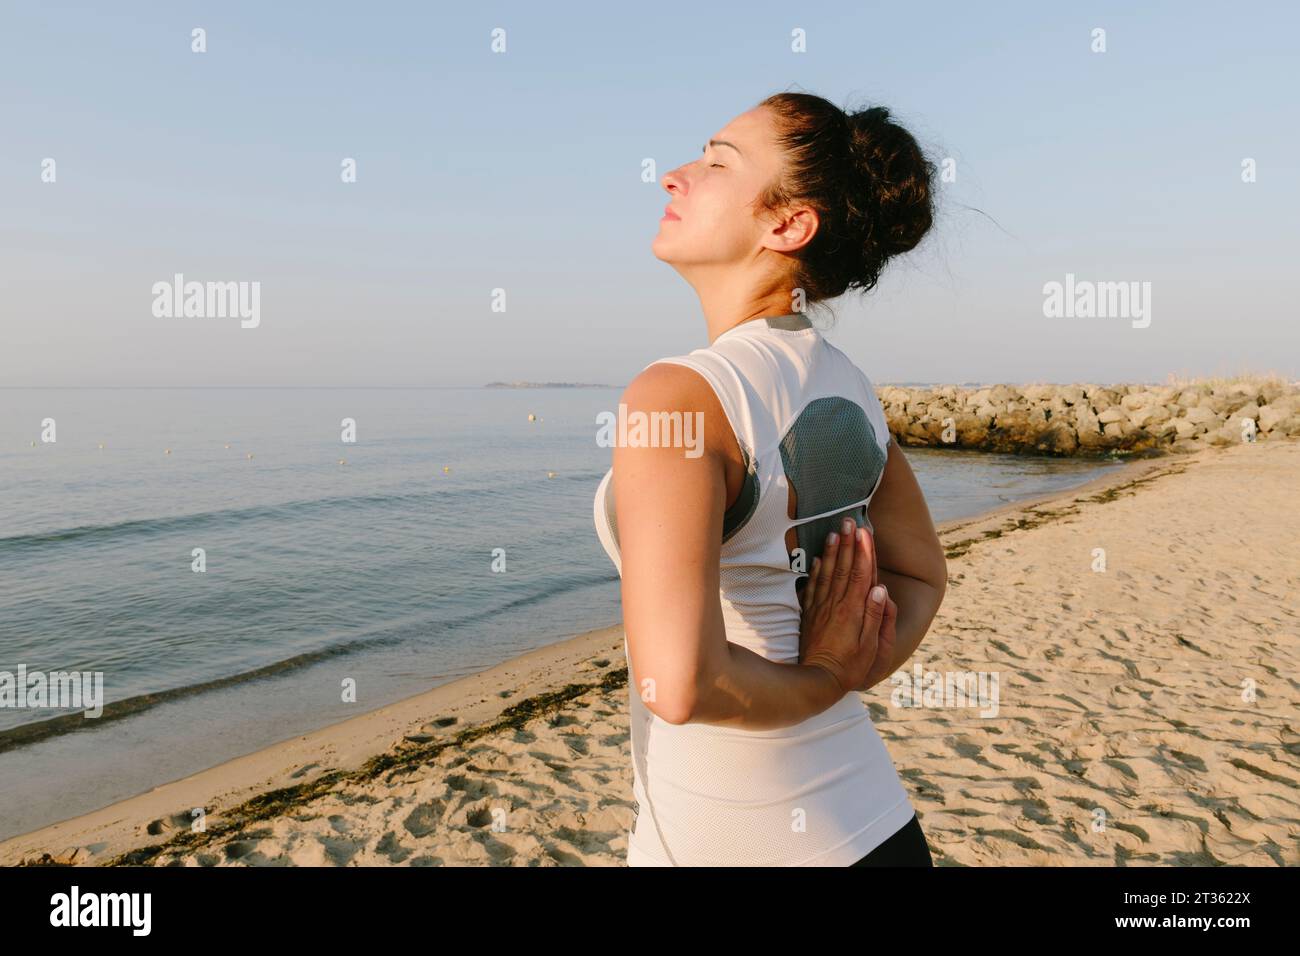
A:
(522, 170)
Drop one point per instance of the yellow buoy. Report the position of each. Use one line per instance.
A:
(101, 446)
(550, 474)
(250, 456)
(168, 452)
(532, 417)
(343, 461)
(446, 469)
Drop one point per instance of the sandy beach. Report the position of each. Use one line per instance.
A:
(1147, 713)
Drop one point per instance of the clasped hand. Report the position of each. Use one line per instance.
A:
(842, 629)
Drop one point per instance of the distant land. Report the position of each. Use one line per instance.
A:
(546, 385)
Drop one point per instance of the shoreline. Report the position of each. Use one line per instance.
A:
(437, 723)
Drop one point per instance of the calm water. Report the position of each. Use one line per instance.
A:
(379, 570)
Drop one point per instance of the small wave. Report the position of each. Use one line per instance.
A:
(34, 732)
(139, 527)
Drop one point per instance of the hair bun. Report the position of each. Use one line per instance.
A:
(896, 179)
(867, 180)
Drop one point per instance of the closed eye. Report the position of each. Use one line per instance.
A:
(719, 165)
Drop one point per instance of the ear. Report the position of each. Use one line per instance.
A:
(792, 230)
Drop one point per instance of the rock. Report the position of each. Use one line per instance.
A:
(1289, 426)
(1270, 391)
(1148, 416)
(1221, 403)
(1071, 394)
(1102, 399)
(1058, 438)
(971, 431)
(1269, 416)
(1089, 433)
(1085, 419)
(1058, 406)
(1249, 410)
(1136, 400)
(1111, 415)
(1225, 435)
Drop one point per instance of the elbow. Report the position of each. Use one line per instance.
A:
(677, 701)
(684, 688)
(675, 709)
(673, 698)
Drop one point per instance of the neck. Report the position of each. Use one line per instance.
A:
(727, 303)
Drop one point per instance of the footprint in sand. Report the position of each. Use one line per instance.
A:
(176, 821)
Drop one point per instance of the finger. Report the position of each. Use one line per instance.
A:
(830, 554)
(839, 583)
(886, 641)
(814, 576)
(871, 621)
(888, 619)
(870, 637)
(809, 587)
(871, 530)
(860, 576)
(871, 556)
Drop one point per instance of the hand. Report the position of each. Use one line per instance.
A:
(841, 631)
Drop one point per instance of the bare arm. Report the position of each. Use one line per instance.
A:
(669, 509)
(910, 559)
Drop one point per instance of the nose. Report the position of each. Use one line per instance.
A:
(672, 182)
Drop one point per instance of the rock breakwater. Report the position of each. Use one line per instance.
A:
(1087, 420)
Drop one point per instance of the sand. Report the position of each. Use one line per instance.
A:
(1147, 713)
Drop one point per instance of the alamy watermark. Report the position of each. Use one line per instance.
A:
(651, 430)
(1098, 300)
(60, 689)
(211, 300)
(924, 688)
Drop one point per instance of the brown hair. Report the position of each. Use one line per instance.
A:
(870, 183)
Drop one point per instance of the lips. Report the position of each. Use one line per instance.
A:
(669, 214)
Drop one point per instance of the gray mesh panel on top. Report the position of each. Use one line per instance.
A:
(831, 458)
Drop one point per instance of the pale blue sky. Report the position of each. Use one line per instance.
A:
(479, 170)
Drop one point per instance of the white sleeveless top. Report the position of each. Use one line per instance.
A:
(823, 792)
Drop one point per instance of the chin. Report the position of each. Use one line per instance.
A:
(660, 247)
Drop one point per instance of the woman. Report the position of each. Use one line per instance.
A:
(751, 744)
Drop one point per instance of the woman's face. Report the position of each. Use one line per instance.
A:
(713, 196)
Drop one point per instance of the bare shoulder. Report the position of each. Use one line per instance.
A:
(667, 384)
(666, 387)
